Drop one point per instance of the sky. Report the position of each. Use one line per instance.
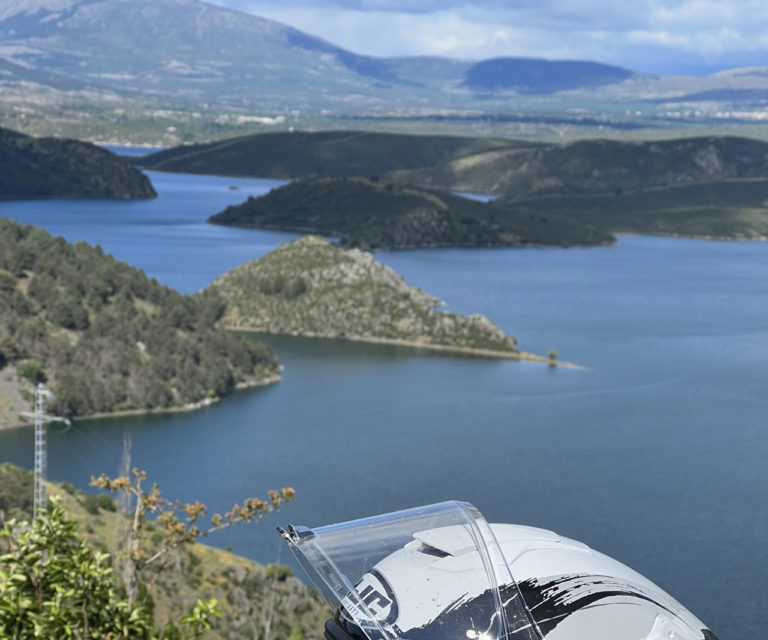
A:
(667, 37)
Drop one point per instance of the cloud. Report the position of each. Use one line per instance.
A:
(658, 36)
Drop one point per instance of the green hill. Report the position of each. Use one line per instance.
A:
(289, 155)
(550, 194)
(106, 337)
(373, 215)
(735, 209)
(597, 166)
(481, 165)
(54, 168)
(310, 287)
(250, 596)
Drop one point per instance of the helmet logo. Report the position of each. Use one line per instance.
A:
(376, 594)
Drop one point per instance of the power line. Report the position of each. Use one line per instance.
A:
(41, 446)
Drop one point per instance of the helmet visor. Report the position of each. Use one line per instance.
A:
(429, 573)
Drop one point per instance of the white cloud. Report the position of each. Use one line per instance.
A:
(653, 35)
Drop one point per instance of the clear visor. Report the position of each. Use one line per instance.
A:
(429, 573)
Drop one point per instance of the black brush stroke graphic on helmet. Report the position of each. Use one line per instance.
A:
(472, 618)
(552, 602)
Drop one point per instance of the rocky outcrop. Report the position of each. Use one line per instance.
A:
(310, 287)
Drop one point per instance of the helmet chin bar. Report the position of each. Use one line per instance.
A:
(441, 572)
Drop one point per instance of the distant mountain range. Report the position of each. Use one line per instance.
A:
(188, 48)
(115, 56)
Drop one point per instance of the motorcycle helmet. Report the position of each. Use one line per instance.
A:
(441, 572)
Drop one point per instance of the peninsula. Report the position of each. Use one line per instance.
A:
(56, 168)
(310, 287)
(372, 215)
(107, 339)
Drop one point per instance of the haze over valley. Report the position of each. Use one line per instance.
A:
(172, 71)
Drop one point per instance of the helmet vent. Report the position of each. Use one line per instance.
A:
(429, 550)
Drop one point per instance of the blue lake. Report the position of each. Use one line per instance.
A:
(654, 453)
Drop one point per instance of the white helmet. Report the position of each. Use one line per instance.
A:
(441, 572)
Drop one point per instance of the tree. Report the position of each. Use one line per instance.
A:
(53, 584)
(179, 522)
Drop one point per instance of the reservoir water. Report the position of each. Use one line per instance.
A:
(655, 452)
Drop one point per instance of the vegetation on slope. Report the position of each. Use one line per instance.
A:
(481, 165)
(621, 187)
(310, 287)
(54, 168)
(598, 166)
(254, 600)
(371, 215)
(730, 209)
(106, 337)
(288, 155)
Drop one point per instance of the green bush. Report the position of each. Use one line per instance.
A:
(105, 502)
(32, 370)
(7, 281)
(278, 572)
(90, 503)
(53, 584)
(69, 488)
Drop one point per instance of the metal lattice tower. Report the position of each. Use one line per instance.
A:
(41, 453)
(41, 446)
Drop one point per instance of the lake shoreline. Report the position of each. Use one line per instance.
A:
(192, 406)
(681, 236)
(466, 351)
(334, 235)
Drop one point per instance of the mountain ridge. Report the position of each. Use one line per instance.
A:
(96, 67)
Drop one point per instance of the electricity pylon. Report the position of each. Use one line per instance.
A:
(41, 446)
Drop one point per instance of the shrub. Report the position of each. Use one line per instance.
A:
(105, 502)
(32, 370)
(278, 572)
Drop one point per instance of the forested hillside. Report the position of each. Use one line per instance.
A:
(320, 153)
(55, 168)
(108, 338)
(370, 214)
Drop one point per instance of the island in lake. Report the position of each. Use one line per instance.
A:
(372, 215)
(310, 287)
(57, 168)
(579, 193)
